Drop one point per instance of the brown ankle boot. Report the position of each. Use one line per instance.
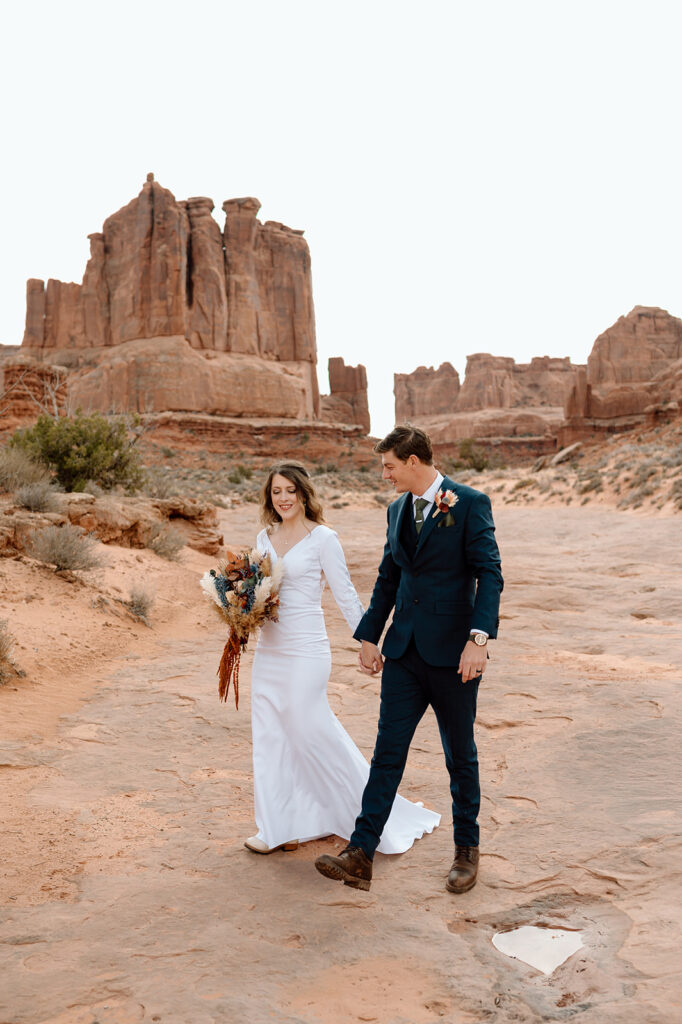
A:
(464, 869)
(352, 867)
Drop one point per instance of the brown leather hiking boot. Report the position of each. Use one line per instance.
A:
(352, 867)
(464, 869)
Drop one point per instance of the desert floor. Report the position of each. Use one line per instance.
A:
(125, 891)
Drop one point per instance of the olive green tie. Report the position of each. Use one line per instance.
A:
(420, 504)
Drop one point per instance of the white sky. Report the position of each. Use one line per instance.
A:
(498, 176)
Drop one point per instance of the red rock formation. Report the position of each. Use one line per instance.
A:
(425, 392)
(28, 388)
(145, 251)
(159, 374)
(161, 269)
(636, 348)
(498, 399)
(208, 322)
(347, 401)
(498, 382)
(632, 377)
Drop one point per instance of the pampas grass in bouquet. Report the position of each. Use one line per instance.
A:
(245, 592)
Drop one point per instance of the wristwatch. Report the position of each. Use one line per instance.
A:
(480, 639)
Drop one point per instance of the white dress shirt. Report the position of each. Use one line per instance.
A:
(430, 496)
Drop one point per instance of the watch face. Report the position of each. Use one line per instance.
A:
(479, 639)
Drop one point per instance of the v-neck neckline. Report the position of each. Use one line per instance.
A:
(279, 557)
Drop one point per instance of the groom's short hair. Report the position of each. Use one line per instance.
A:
(405, 440)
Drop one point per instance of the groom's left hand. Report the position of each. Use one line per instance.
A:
(473, 661)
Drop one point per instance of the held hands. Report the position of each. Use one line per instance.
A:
(369, 659)
(473, 661)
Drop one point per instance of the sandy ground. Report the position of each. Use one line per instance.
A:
(126, 894)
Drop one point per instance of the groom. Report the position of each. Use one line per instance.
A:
(441, 573)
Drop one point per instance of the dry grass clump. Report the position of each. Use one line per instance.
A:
(140, 603)
(6, 663)
(160, 483)
(165, 541)
(36, 497)
(17, 470)
(525, 483)
(590, 481)
(65, 547)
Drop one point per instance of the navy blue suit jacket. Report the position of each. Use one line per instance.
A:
(450, 582)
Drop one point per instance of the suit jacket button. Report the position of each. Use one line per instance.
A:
(415, 573)
(416, 600)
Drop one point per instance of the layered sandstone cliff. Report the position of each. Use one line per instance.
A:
(164, 288)
(499, 398)
(425, 392)
(29, 388)
(347, 401)
(635, 349)
(633, 376)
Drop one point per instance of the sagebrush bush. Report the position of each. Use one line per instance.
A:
(37, 497)
(140, 603)
(6, 663)
(159, 485)
(240, 473)
(18, 469)
(165, 541)
(82, 448)
(65, 547)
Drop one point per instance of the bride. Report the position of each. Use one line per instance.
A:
(308, 774)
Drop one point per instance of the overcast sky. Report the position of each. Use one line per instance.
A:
(498, 176)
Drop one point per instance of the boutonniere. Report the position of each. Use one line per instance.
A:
(444, 501)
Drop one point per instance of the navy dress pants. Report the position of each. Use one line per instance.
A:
(408, 686)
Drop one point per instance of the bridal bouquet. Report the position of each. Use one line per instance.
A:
(245, 592)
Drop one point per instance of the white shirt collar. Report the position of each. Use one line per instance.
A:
(430, 493)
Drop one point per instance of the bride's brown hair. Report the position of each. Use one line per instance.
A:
(297, 474)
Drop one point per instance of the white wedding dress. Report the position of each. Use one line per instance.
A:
(308, 774)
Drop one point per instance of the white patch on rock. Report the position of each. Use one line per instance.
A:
(542, 948)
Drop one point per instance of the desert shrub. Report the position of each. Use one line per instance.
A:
(158, 484)
(93, 488)
(36, 497)
(65, 547)
(593, 482)
(239, 474)
(140, 603)
(644, 472)
(165, 541)
(676, 493)
(674, 458)
(18, 469)
(524, 482)
(472, 456)
(81, 448)
(469, 456)
(6, 663)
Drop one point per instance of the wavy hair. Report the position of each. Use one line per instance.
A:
(297, 474)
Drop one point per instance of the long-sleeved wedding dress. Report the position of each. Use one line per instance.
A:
(308, 774)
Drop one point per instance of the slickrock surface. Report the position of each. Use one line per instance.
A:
(126, 894)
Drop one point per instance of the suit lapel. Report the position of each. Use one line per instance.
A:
(432, 521)
(397, 526)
